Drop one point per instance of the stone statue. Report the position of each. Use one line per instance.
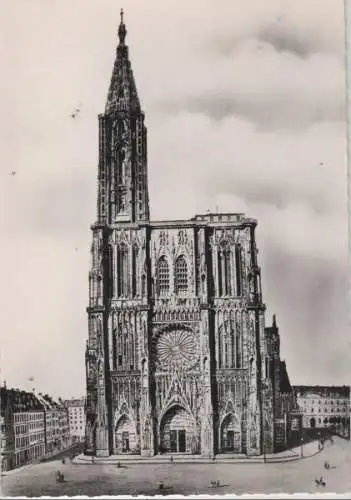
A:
(253, 437)
(147, 436)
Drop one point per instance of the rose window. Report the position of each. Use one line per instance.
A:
(176, 349)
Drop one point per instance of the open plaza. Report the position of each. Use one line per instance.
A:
(235, 477)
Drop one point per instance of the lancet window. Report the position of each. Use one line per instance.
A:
(125, 349)
(123, 270)
(163, 276)
(224, 270)
(229, 346)
(134, 270)
(109, 278)
(181, 275)
(238, 270)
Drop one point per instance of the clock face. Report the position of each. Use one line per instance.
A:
(176, 349)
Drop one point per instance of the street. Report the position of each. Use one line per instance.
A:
(185, 479)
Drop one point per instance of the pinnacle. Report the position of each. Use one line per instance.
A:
(122, 94)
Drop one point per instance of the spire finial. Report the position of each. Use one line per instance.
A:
(122, 32)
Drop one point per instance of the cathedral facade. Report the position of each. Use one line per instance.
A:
(176, 359)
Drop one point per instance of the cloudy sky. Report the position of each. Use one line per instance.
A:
(245, 110)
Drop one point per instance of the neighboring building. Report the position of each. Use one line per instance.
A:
(57, 435)
(283, 396)
(325, 407)
(23, 428)
(7, 442)
(76, 416)
(32, 426)
(63, 435)
(21, 418)
(49, 424)
(36, 428)
(177, 358)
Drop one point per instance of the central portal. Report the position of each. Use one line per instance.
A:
(178, 441)
(178, 432)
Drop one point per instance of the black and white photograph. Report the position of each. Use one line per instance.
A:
(175, 250)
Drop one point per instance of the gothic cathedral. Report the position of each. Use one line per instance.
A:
(176, 360)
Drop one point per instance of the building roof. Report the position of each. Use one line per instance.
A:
(207, 220)
(74, 402)
(16, 401)
(19, 401)
(323, 390)
(49, 403)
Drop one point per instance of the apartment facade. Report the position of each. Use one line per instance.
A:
(76, 418)
(32, 427)
(325, 407)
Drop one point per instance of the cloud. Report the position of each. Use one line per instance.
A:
(285, 40)
(272, 90)
(307, 167)
(317, 288)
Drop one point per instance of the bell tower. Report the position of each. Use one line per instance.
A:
(122, 203)
(122, 178)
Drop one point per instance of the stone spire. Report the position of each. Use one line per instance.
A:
(123, 185)
(274, 321)
(122, 94)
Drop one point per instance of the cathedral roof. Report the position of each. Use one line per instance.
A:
(285, 385)
(122, 94)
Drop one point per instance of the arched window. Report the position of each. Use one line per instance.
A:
(114, 349)
(229, 346)
(123, 270)
(224, 271)
(134, 270)
(238, 270)
(227, 272)
(119, 348)
(181, 275)
(163, 276)
(109, 278)
(125, 357)
(220, 276)
(226, 351)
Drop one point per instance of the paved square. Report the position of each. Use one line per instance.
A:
(288, 477)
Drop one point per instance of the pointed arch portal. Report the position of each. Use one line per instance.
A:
(125, 435)
(178, 431)
(231, 435)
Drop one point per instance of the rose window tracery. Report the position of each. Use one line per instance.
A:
(176, 349)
